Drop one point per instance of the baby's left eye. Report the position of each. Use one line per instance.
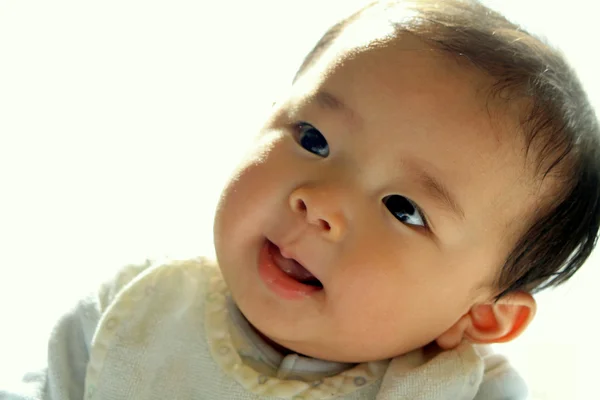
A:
(312, 140)
(405, 210)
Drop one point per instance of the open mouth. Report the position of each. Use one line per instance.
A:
(293, 268)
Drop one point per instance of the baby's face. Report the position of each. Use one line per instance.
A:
(384, 176)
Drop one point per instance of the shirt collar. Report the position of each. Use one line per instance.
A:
(263, 357)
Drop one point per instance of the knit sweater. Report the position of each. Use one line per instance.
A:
(168, 331)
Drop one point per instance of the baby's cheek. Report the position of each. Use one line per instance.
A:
(257, 188)
(386, 319)
(417, 296)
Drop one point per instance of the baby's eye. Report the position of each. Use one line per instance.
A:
(404, 210)
(311, 139)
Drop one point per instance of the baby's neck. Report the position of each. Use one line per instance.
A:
(281, 349)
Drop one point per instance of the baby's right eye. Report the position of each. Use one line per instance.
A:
(311, 139)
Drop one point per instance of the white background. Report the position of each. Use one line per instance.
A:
(120, 120)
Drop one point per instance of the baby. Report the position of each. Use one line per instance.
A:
(431, 167)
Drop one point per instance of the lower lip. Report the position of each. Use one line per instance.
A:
(277, 281)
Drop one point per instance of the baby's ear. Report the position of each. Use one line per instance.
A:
(494, 322)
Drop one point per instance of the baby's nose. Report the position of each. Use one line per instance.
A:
(322, 209)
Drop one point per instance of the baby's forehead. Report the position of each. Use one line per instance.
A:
(396, 63)
(405, 76)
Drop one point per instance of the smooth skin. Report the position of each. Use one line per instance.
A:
(371, 120)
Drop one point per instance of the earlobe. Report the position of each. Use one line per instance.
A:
(494, 322)
(501, 321)
(453, 336)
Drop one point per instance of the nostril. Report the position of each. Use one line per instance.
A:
(300, 205)
(325, 225)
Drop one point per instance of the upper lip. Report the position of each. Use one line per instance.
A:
(288, 252)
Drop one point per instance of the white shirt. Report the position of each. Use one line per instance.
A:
(167, 331)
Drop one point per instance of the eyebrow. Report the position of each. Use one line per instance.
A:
(438, 191)
(330, 102)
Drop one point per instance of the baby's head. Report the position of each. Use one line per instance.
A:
(431, 167)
